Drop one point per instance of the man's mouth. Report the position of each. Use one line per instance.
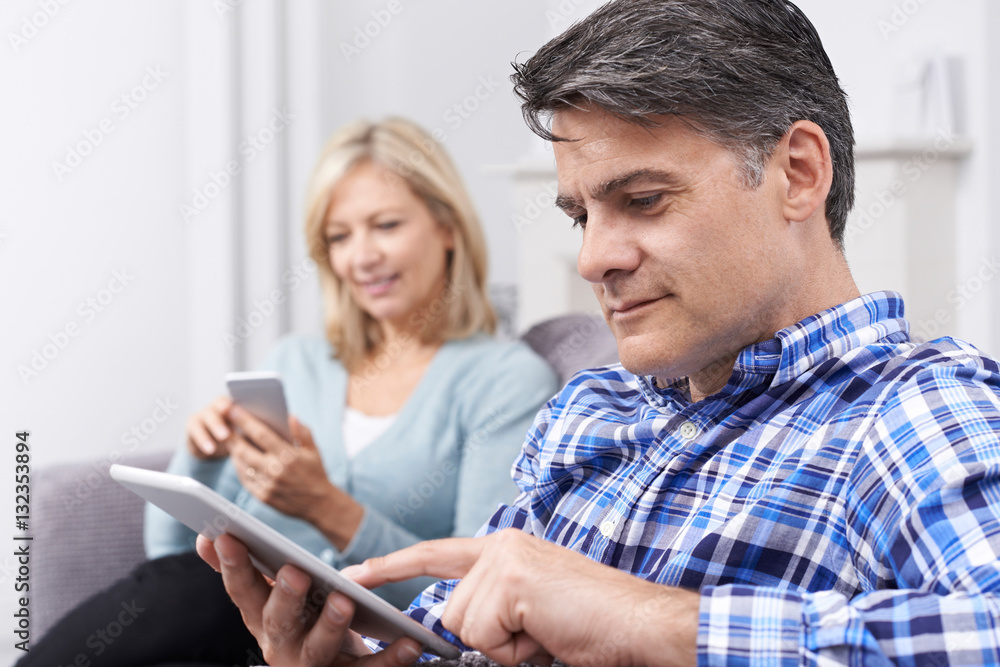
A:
(621, 309)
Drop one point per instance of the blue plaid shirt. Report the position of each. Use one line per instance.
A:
(838, 502)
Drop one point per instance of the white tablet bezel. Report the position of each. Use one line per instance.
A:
(206, 512)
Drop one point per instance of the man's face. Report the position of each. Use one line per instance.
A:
(689, 265)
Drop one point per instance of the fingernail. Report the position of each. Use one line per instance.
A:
(284, 583)
(353, 571)
(223, 558)
(208, 447)
(335, 611)
(221, 433)
(407, 653)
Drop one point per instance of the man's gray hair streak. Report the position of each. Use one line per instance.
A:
(739, 71)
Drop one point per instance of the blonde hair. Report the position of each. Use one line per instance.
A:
(408, 151)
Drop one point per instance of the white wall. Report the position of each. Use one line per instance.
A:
(444, 64)
(868, 41)
(991, 147)
(66, 237)
(162, 337)
(105, 231)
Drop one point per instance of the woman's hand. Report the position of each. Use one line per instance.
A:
(289, 476)
(208, 431)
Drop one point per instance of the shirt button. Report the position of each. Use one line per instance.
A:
(689, 430)
(607, 528)
(327, 555)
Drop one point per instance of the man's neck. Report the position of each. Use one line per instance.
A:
(710, 381)
(827, 286)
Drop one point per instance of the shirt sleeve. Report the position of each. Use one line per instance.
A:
(428, 607)
(924, 523)
(164, 535)
(501, 410)
(499, 405)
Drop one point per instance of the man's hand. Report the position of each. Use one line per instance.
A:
(288, 632)
(522, 599)
(289, 476)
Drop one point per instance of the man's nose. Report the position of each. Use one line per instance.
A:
(608, 248)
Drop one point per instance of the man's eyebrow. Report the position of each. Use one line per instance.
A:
(608, 188)
(566, 203)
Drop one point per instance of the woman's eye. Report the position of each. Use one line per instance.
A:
(391, 224)
(333, 239)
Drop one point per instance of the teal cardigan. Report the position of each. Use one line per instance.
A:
(440, 470)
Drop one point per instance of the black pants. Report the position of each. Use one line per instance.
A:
(170, 611)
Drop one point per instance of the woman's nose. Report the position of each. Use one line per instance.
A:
(365, 251)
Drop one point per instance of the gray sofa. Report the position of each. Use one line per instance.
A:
(88, 529)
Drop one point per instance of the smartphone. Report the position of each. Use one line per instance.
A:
(203, 510)
(262, 395)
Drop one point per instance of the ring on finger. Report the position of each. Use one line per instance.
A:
(251, 472)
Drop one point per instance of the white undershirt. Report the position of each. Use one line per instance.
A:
(361, 430)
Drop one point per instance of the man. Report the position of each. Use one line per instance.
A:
(777, 475)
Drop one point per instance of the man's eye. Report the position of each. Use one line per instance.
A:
(579, 221)
(643, 203)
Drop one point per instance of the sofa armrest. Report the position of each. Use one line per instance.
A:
(87, 532)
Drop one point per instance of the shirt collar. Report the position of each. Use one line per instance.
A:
(796, 349)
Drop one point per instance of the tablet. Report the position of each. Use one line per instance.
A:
(204, 511)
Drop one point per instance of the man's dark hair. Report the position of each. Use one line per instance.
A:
(739, 71)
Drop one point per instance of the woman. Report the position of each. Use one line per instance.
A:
(407, 416)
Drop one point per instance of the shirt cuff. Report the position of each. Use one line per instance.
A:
(377, 647)
(363, 543)
(749, 625)
(376, 536)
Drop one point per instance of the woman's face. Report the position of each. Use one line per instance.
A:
(385, 245)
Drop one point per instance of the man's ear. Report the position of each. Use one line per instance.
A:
(803, 158)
